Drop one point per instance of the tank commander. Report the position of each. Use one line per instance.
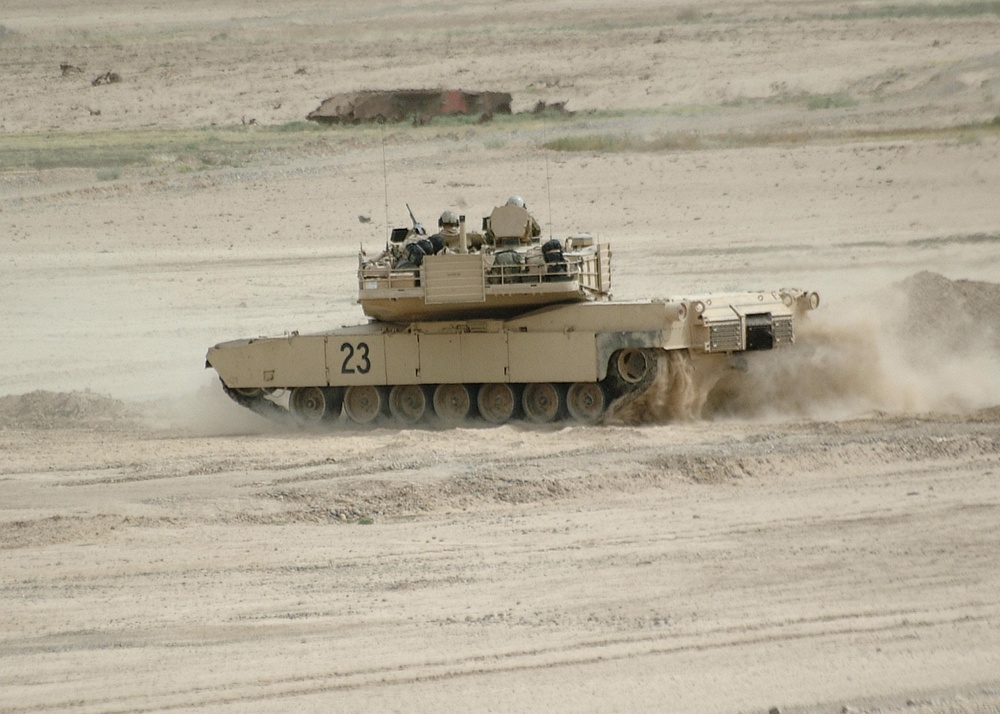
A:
(448, 229)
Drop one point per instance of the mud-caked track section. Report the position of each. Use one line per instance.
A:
(642, 385)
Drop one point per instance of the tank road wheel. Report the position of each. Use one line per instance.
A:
(311, 405)
(363, 403)
(541, 402)
(452, 402)
(496, 402)
(586, 401)
(407, 403)
(633, 365)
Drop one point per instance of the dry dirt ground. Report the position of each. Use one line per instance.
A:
(823, 538)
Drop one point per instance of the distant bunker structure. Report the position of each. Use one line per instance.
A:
(418, 105)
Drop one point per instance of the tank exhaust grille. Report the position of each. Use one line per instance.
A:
(724, 336)
(783, 331)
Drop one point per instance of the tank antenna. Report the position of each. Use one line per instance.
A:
(548, 189)
(546, 126)
(385, 179)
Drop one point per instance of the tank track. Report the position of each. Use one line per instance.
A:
(258, 403)
(633, 373)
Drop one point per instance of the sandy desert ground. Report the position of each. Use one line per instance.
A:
(822, 538)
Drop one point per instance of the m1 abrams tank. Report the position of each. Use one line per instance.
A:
(499, 326)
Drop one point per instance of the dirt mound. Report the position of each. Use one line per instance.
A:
(951, 315)
(63, 410)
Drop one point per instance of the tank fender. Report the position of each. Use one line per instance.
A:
(610, 342)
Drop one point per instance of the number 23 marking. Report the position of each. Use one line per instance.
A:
(362, 365)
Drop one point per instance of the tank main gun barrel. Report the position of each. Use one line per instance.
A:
(463, 237)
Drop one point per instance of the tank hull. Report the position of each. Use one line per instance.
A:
(612, 345)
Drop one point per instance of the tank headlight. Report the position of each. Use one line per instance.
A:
(698, 306)
(787, 299)
(813, 300)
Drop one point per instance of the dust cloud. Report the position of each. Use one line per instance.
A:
(206, 411)
(927, 344)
